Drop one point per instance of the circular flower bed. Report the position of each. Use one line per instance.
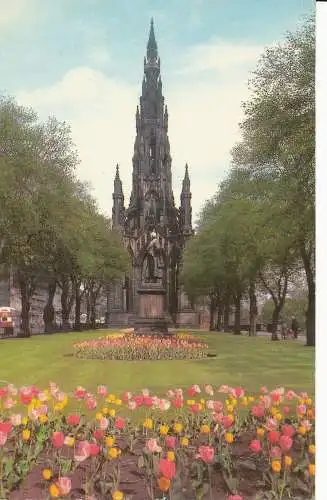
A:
(133, 347)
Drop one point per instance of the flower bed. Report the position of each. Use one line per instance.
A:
(131, 347)
(200, 443)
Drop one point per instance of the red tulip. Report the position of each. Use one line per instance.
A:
(167, 468)
(58, 439)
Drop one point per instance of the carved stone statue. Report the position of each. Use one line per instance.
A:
(150, 208)
(153, 265)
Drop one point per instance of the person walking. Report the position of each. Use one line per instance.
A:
(295, 327)
(284, 331)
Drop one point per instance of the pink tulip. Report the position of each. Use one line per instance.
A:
(60, 396)
(301, 410)
(273, 436)
(64, 485)
(307, 425)
(9, 403)
(103, 423)
(91, 403)
(218, 406)
(120, 423)
(167, 468)
(164, 404)
(266, 401)
(98, 434)
(153, 447)
(255, 446)
(224, 389)
(208, 389)
(3, 438)
(234, 497)
(147, 401)
(288, 430)
(79, 393)
(94, 449)
(286, 443)
(5, 427)
(16, 419)
(258, 411)
(218, 417)
(206, 453)
(58, 439)
(73, 419)
(238, 392)
(170, 442)
(290, 395)
(12, 390)
(227, 422)
(102, 390)
(126, 396)
(82, 452)
(177, 402)
(131, 405)
(271, 424)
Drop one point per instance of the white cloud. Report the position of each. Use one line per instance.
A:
(99, 55)
(12, 11)
(203, 119)
(218, 55)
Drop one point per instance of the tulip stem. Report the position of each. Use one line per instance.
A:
(210, 482)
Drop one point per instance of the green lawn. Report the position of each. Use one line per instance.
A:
(249, 362)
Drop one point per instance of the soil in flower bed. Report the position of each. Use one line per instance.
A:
(133, 481)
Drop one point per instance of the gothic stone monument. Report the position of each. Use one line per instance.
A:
(153, 229)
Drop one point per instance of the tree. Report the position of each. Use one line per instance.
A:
(38, 162)
(278, 142)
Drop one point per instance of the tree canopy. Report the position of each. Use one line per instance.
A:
(51, 231)
(258, 230)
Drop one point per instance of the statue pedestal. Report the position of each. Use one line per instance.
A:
(152, 318)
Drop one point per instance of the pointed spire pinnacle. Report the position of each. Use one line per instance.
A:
(152, 49)
(118, 188)
(186, 181)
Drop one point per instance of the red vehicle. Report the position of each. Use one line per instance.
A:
(8, 321)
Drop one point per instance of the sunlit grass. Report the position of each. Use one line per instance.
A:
(249, 362)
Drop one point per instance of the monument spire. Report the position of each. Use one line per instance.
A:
(118, 209)
(152, 48)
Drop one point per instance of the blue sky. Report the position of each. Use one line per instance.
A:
(82, 60)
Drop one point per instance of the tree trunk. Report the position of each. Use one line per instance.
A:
(311, 310)
(275, 319)
(66, 305)
(253, 313)
(220, 315)
(311, 318)
(92, 312)
(226, 307)
(49, 312)
(25, 294)
(212, 312)
(88, 310)
(77, 324)
(237, 314)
